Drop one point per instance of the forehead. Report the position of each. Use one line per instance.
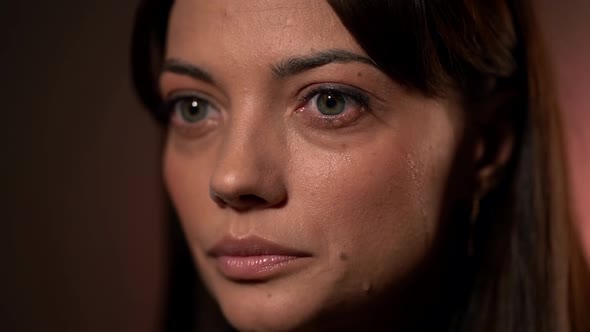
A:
(254, 30)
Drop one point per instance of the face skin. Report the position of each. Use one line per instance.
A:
(359, 192)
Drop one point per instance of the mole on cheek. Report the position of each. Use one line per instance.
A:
(359, 74)
(343, 256)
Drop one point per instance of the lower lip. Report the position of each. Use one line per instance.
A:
(253, 268)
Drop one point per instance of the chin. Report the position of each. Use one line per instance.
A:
(264, 307)
(262, 311)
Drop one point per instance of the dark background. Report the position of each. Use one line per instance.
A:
(82, 235)
(83, 222)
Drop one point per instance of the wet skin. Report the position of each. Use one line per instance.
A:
(283, 131)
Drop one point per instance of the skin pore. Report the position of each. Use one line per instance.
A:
(282, 129)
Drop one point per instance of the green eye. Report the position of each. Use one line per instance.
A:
(331, 103)
(192, 110)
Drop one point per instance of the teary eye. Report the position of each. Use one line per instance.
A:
(333, 106)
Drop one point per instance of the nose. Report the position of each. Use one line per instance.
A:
(249, 171)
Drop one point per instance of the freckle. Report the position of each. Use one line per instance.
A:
(343, 256)
(359, 74)
(344, 146)
(269, 295)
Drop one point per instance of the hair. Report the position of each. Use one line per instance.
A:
(519, 277)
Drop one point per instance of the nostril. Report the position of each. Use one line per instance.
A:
(240, 202)
(251, 200)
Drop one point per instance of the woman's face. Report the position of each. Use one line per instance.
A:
(307, 181)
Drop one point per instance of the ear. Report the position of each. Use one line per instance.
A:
(492, 151)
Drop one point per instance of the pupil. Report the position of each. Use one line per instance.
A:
(331, 101)
(194, 109)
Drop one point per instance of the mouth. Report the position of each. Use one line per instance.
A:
(254, 259)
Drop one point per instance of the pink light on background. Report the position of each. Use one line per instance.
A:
(567, 30)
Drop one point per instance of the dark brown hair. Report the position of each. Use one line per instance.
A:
(491, 54)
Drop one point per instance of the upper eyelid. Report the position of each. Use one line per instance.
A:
(178, 95)
(336, 83)
(358, 95)
(172, 84)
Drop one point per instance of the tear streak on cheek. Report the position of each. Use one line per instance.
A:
(418, 194)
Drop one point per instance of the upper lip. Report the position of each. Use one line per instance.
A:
(251, 246)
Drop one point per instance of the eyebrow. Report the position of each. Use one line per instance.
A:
(296, 65)
(283, 69)
(181, 67)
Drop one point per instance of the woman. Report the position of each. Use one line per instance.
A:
(363, 165)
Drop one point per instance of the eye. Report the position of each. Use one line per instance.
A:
(190, 109)
(190, 115)
(334, 105)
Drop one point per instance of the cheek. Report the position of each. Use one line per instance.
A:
(376, 208)
(186, 176)
(371, 207)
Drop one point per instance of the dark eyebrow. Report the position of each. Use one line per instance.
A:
(296, 65)
(289, 67)
(178, 66)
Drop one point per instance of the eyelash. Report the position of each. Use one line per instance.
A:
(349, 92)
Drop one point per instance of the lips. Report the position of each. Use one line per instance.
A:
(254, 258)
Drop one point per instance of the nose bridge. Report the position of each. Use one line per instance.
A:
(248, 169)
(242, 148)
